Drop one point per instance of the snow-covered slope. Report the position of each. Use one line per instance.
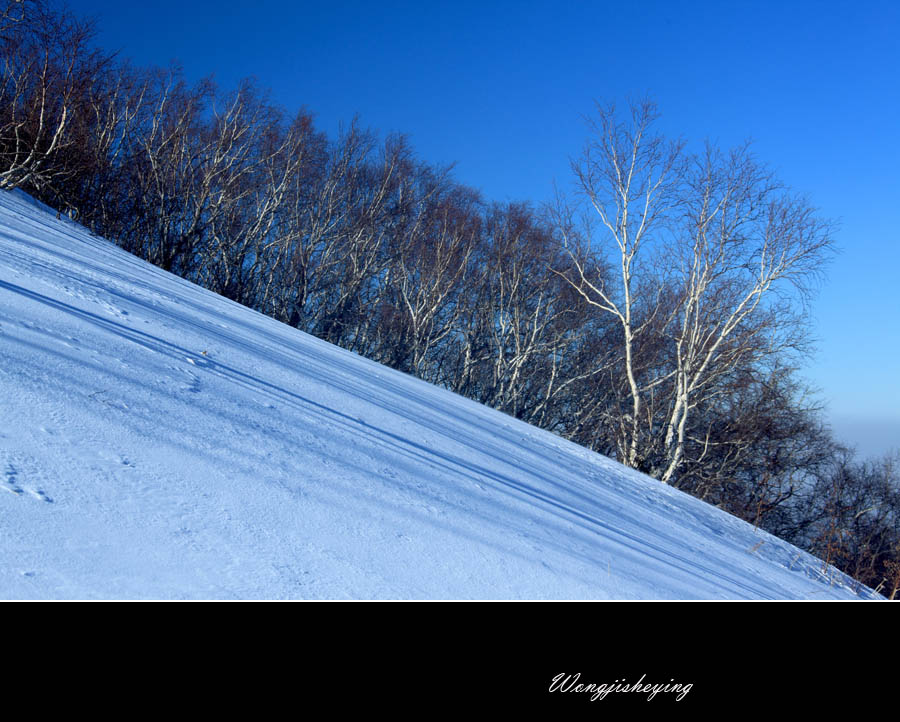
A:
(158, 441)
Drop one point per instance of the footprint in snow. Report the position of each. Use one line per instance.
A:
(194, 383)
(40, 495)
(11, 484)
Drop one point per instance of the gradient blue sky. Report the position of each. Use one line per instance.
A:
(500, 89)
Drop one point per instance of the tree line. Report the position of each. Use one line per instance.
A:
(657, 314)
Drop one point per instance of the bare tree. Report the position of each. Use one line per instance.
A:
(705, 249)
(364, 199)
(430, 258)
(854, 520)
(631, 179)
(743, 241)
(48, 65)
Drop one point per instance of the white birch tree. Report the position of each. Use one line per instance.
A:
(630, 179)
(714, 259)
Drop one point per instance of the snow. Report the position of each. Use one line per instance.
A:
(159, 441)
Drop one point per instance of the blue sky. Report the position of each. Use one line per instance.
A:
(500, 88)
